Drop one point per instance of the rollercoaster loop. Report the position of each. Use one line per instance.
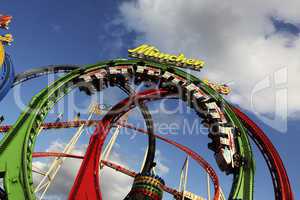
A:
(277, 180)
(243, 178)
(149, 162)
(190, 152)
(45, 100)
(125, 69)
(81, 188)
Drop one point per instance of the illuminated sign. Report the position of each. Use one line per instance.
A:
(222, 89)
(151, 53)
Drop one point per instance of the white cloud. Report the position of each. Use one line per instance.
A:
(161, 168)
(114, 185)
(56, 146)
(236, 38)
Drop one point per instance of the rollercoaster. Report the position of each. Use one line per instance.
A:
(230, 130)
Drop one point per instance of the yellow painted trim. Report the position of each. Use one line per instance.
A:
(150, 52)
(8, 38)
(2, 53)
(222, 89)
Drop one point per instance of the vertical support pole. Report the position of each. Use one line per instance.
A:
(109, 146)
(112, 141)
(56, 164)
(144, 159)
(184, 177)
(208, 186)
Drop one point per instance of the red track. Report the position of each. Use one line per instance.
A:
(114, 166)
(57, 125)
(191, 153)
(107, 163)
(87, 184)
(279, 175)
(281, 183)
(73, 124)
(55, 154)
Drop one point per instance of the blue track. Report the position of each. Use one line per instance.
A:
(7, 76)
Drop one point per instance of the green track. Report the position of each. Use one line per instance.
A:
(18, 144)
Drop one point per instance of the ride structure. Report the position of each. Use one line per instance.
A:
(6, 67)
(229, 128)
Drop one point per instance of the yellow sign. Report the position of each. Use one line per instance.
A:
(149, 52)
(222, 89)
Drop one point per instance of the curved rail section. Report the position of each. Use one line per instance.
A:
(201, 161)
(8, 79)
(38, 72)
(281, 183)
(151, 149)
(280, 179)
(20, 140)
(87, 184)
(57, 125)
(90, 165)
(112, 165)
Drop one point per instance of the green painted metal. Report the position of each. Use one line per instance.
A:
(17, 146)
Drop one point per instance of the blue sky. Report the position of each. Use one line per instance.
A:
(76, 32)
